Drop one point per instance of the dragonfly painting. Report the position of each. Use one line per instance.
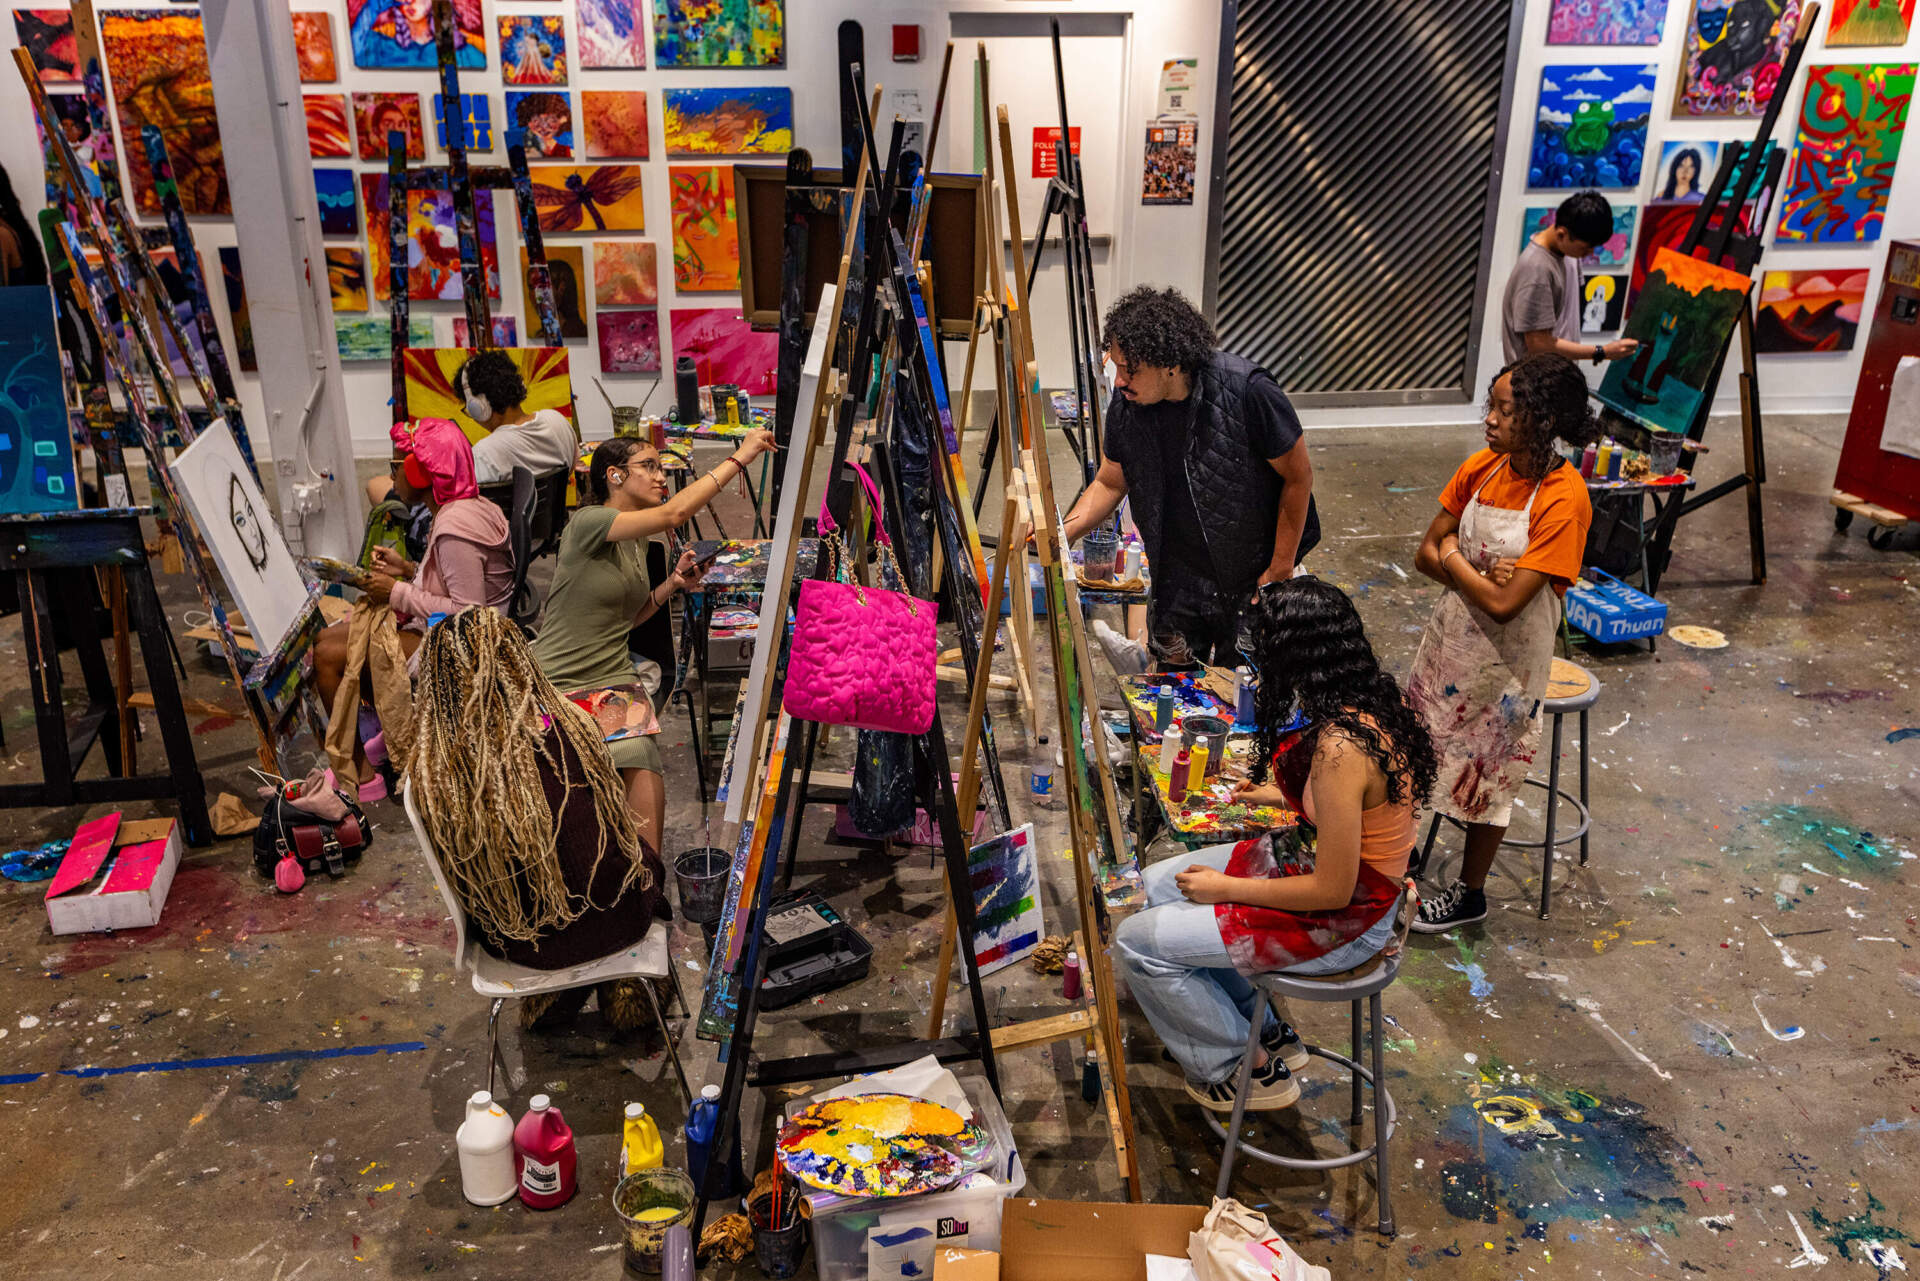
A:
(588, 197)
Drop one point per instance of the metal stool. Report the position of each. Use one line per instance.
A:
(1365, 987)
(1570, 688)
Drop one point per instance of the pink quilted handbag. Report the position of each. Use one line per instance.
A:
(861, 656)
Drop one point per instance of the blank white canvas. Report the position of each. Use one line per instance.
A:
(237, 526)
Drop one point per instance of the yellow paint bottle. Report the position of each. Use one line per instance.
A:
(1197, 779)
(641, 1149)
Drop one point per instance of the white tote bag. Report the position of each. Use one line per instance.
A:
(1238, 1244)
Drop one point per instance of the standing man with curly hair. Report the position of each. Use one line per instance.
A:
(1208, 448)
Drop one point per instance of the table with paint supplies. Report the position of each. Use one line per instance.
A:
(1193, 739)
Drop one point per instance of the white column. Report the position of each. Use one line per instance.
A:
(263, 130)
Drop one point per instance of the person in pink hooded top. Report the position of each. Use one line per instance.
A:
(468, 560)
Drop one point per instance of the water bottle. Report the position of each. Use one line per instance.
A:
(1042, 777)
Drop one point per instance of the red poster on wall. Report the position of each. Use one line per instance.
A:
(1046, 161)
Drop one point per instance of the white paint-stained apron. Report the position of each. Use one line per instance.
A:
(1477, 683)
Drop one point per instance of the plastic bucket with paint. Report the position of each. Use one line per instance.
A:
(702, 875)
(648, 1203)
(1211, 730)
(626, 421)
(1664, 452)
(1100, 549)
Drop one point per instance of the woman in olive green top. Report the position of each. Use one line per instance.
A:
(601, 590)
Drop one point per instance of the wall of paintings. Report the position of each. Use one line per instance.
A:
(635, 112)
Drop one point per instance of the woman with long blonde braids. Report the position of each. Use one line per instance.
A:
(525, 812)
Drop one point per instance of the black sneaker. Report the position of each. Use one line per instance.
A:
(1454, 906)
(1272, 1087)
(1283, 1043)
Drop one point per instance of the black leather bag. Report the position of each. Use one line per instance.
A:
(319, 846)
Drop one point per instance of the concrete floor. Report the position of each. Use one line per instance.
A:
(1705, 1062)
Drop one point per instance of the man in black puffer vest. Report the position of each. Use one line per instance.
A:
(1207, 447)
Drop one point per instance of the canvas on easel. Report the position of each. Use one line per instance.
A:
(36, 446)
(1682, 318)
(232, 516)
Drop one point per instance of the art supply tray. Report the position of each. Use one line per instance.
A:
(810, 949)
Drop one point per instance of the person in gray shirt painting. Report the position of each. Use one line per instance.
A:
(1540, 310)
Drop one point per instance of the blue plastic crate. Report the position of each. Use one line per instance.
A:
(1611, 611)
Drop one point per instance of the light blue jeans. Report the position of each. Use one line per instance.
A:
(1176, 966)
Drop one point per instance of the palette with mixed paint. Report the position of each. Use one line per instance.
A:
(881, 1145)
(1190, 698)
(740, 564)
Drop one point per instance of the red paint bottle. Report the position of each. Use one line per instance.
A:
(1177, 781)
(544, 1156)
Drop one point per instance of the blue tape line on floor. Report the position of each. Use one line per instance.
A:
(224, 1061)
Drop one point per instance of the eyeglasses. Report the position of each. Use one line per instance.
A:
(652, 465)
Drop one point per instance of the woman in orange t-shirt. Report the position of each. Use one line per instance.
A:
(1512, 524)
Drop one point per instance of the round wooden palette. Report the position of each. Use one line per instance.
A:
(879, 1145)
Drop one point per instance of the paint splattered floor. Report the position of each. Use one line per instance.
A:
(1704, 1062)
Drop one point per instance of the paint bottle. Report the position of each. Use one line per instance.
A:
(544, 1155)
(1198, 765)
(641, 1148)
(485, 1144)
(1616, 460)
(1587, 457)
(1132, 563)
(1177, 777)
(1163, 708)
(1169, 751)
(1070, 977)
(703, 1123)
(1243, 711)
(1090, 1077)
(1041, 779)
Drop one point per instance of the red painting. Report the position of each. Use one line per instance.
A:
(313, 47)
(327, 126)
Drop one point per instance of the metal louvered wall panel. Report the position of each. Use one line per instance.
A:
(1361, 177)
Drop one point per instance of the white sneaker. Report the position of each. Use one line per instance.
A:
(1129, 657)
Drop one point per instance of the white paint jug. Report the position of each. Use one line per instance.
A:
(485, 1141)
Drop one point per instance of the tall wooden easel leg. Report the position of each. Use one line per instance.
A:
(1753, 448)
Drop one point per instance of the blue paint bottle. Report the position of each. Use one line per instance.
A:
(1243, 713)
(1163, 709)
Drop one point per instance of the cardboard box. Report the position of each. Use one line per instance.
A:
(115, 876)
(1090, 1240)
(955, 1263)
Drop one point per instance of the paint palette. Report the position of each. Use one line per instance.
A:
(880, 1145)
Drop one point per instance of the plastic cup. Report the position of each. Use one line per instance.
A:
(1211, 730)
(778, 1251)
(648, 1203)
(1664, 452)
(702, 875)
(1100, 548)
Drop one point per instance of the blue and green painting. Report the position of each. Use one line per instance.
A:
(373, 339)
(1007, 924)
(1591, 128)
(36, 444)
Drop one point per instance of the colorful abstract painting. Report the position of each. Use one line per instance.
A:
(610, 33)
(375, 115)
(1603, 298)
(1682, 320)
(1731, 58)
(629, 341)
(1611, 253)
(506, 331)
(313, 48)
(373, 339)
(430, 370)
(1664, 225)
(616, 123)
(567, 272)
(1869, 22)
(1606, 21)
(588, 197)
(719, 33)
(347, 278)
(47, 36)
(725, 348)
(157, 61)
(36, 445)
(1591, 127)
(339, 210)
(706, 242)
(476, 109)
(533, 49)
(1007, 921)
(327, 136)
(546, 115)
(1686, 170)
(399, 33)
(1851, 124)
(625, 273)
(236, 290)
(433, 244)
(1809, 311)
(727, 122)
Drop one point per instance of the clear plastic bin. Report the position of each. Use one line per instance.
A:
(904, 1231)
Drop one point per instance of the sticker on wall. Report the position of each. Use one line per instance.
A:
(1046, 158)
(1731, 56)
(1606, 21)
(1167, 178)
(547, 117)
(1591, 126)
(1851, 125)
(1179, 82)
(1809, 311)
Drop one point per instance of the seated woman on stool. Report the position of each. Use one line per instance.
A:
(1316, 899)
(525, 813)
(467, 561)
(601, 590)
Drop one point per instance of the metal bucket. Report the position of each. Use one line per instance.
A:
(702, 875)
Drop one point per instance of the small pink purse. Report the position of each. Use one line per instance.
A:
(861, 656)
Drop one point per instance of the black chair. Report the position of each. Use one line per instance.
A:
(549, 510)
(654, 638)
(521, 607)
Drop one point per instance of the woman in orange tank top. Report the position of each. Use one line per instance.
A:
(1316, 898)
